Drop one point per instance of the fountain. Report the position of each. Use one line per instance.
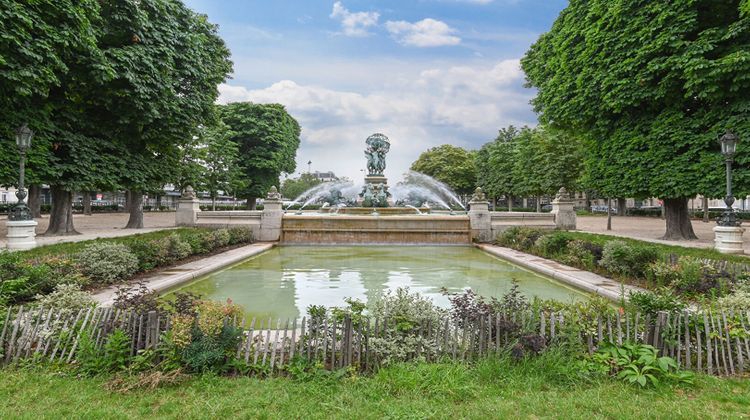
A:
(415, 191)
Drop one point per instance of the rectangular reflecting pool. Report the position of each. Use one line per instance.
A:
(284, 281)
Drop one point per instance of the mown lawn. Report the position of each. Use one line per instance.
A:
(489, 390)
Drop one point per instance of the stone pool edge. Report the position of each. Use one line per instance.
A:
(579, 279)
(167, 279)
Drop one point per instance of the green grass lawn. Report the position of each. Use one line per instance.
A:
(493, 389)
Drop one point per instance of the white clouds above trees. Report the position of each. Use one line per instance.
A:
(425, 33)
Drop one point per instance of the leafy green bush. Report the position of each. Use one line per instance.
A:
(240, 235)
(662, 273)
(638, 364)
(177, 248)
(519, 237)
(115, 354)
(738, 300)
(107, 263)
(69, 297)
(580, 254)
(553, 244)
(221, 238)
(619, 257)
(663, 299)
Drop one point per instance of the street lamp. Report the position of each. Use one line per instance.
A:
(21, 212)
(728, 148)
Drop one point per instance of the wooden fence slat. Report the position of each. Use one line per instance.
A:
(709, 345)
(249, 342)
(241, 345)
(43, 342)
(552, 325)
(618, 325)
(688, 345)
(6, 321)
(11, 342)
(293, 343)
(260, 344)
(267, 346)
(59, 337)
(738, 344)
(78, 336)
(725, 328)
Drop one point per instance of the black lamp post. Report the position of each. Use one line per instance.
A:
(728, 148)
(22, 212)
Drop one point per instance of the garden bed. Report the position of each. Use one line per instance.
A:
(93, 264)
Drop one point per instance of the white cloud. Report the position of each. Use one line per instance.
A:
(354, 23)
(462, 105)
(425, 33)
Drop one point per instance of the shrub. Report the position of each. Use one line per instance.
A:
(737, 300)
(404, 312)
(150, 254)
(240, 235)
(67, 296)
(221, 238)
(697, 278)
(138, 298)
(618, 257)
(177, 249)
(553, 244)
(580, 254)
(519, 237)
(107, 263)
(662, 273)
(115, 354)
(663, 299)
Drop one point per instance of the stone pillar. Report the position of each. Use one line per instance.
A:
(273, 213)
(563, 209)
(729, 239)
(21, 234)
(187, 208)
(480, 218)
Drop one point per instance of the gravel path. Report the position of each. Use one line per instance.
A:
(651, 229)
(106, 225)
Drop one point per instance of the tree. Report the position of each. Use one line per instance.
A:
(222, 167)
(649, 86)
(292, 188)
(167, 62)
(268, 139)
(494, 163)
(529, 171)
(451, 165)
(43, 47)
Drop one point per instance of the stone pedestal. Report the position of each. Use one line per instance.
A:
(563, 211)
(271, 219)
(21, 234)
(729, 239)
(187, 209)
(480, 218)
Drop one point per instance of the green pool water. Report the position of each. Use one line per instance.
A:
(284, 281)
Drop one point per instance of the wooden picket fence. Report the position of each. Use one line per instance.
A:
(714, 343)
(735, 270)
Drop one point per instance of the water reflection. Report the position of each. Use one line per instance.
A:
(284, 281)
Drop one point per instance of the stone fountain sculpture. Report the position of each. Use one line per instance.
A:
(375, 192)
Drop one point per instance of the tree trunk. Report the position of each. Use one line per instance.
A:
(539, 204)
(587, 198)
(158, 202)
(510, 202)
(706, 215)
(213, 203)
(87, 203)
(135, 208)
(494, 203)
(622, 206)
(35, 200)
(251, 202)
(679, 227)
(127, 201)
(61, 215)
(609, 214)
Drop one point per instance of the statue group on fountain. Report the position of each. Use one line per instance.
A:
(378, 146)
(374, 195)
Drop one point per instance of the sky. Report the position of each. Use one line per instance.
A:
(422, 72)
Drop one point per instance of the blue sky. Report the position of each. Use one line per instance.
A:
(423, 72)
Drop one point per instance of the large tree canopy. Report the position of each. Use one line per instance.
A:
(650, 86)
(494, 163)
(268, 139)
(451, 165)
